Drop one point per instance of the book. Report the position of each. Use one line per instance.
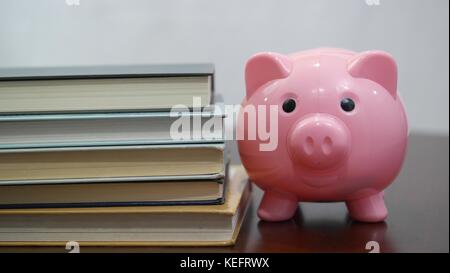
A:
(132, 226)
(104, 88)
(106, 129)
(112, 163)
(145, 193)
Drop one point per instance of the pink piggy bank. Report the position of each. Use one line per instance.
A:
(341, 135)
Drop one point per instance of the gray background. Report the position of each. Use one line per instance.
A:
(97, 32)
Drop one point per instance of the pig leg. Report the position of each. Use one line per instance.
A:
(277, 206)
(368, 209)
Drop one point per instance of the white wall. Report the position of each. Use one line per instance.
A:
(227, 32)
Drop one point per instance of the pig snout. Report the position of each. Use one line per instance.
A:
(319, 142)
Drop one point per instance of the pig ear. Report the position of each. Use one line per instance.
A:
(264, 67)
(376, 66)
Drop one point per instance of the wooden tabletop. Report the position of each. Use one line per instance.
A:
(418, 203)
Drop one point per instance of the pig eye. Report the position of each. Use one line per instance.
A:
(289, 105)
(347, 105)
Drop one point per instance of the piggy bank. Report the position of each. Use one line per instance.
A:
(341, 130)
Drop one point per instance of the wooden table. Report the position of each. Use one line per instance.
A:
(418, 221)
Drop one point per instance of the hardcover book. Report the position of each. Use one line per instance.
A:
(112, 163)
(189, 191)
(105, 88)
(107, 129)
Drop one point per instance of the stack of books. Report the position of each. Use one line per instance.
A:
(116, 156)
